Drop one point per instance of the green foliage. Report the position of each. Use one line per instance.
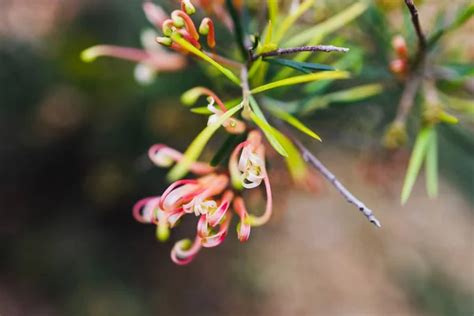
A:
(343, 96)
(186, 45)
(418, 155)
(463, 15)
(257, 116)
(300, 66)
(301, 79)
(431, 166)
(290, 119)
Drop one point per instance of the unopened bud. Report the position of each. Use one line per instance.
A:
(165, 41)
(398, 66)
(400, 46)
(167, 27)
(188, 7)
(448, 118)
(177, 20)
(204, 27)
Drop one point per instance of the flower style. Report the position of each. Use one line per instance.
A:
(150, 60)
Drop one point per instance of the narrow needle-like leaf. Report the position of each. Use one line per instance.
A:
(416, 160)
(302, 79)
(186, 45)
(290, 119)
(431, 166)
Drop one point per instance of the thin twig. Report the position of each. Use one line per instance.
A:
(408, 98)
(416, 23)
(317, 48)
(417, 70)
(245, 91)
(318, 165)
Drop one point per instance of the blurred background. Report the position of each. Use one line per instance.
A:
(73, 159)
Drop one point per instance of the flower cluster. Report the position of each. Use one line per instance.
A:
(208, 197)
(217, 192)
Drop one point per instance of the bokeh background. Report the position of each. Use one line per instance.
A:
(73, 161)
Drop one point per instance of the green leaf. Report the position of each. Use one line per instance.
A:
(350, 62)
(176, 37)
(317, 32)
(289, 20)
(302, 79)
(290, 119)
(268, 131)
(343, 96)
(416, 160)
(355, 94)
(272, 10)
(300, 66)
(459, 71)
(458, 104)
(431, 166)
(294, 161)
(257, 116)
(195, 149)
(314, 35)
(464, 14)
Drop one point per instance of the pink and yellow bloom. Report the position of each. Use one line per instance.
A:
(209, 197)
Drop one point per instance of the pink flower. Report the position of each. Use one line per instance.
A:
(208, 197)
(249, 171)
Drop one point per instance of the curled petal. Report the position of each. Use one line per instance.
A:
(207, 28)
(178, 193)
(215, 218)
(216, 239)
(261, 220)
(214, 185)
(202, 227)
(174, 216)
(184, 251)
(233, 166)
(243, 228)
(143, 210)
(180, 19)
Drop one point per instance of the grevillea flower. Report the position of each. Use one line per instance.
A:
(250, 171)
(208, 197)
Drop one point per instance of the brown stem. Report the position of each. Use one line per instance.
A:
(321, 168)
(416, 23)
(408, 98)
